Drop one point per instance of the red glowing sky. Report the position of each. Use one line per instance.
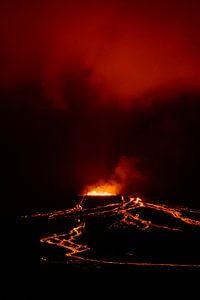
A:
(123, 49)
(90, 88)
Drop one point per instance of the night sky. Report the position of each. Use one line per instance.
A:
(89, 89)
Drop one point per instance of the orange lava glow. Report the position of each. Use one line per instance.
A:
(98, 193)
(102, 189)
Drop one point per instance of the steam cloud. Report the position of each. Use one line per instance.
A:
(125, 178)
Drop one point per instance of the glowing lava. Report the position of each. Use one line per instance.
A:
(102, 189)
(98, 193)
(130, 214)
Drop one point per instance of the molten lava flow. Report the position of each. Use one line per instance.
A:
(132, 213)
(102, 189)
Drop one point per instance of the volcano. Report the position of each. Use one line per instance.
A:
(88, 202)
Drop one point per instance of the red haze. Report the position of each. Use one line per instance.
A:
(123, 49)
(68, 67)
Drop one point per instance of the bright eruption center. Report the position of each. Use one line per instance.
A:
(108, 189)
(98, 193)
